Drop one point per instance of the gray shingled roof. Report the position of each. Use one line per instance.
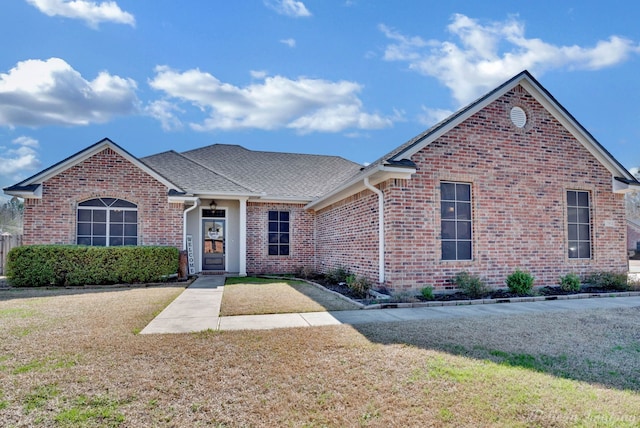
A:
(222, 168)
(191, 176)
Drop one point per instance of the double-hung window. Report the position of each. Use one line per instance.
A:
(107, 222)
(279, 233)
(579, 224)
(455, 221)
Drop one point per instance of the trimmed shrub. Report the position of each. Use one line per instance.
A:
(609, 280)
(337, 275)
(520, 282)
(73, 265)
(427, 292)
(471, 285)
(569, 282)
(359, 285)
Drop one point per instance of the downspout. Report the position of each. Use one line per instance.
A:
(184, 222)
(380, 194)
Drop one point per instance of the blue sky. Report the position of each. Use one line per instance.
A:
(352, 78)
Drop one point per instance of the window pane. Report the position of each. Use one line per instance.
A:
(463, 211)
(273, 250)
(464, 230)
(284, 250)
(117, 216)
(84, 215)
(464, 250)
(284, 227)
(84, 241)
(92, 203)
(273, 226)
(448, 229)
(463, 192)
(448, 250)
(130, 230)
(573, 232)
(583, 199)
(573, 249)
(583, 215)
(572, 215)
(131, 216)
(84, 228)
(99, 229)
(123, 204)
(273, 238)
(130, 241)
(116, 229)
(100, 241)
(572, 199)
(115, 241)
(273, 215)
(584, 250)
(447, 191)
(284, 238)
(100, 215)
(583, 233)
(448, 210)
(284, 215)
(108, 201)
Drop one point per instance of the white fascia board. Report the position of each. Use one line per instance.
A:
(620, 187)
(281, 200)
(376, 176)
(26, 194)
(224, 195)
(182, 199)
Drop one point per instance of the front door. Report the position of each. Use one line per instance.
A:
(213, 245)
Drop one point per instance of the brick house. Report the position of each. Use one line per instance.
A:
(510, 181)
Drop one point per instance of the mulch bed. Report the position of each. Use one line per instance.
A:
(343, 289)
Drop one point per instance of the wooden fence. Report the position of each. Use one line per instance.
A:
(7, 242)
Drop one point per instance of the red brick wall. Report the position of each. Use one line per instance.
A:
(301, 253)
(347, 235)
(519, 178)
(52, 219)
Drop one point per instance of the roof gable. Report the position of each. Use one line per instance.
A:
(542, 96)
(32, 186)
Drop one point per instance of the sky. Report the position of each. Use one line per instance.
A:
(352, 78)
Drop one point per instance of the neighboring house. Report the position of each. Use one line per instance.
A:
(633, 235)
(510, 181)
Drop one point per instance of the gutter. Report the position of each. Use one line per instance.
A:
(196, 204)
(380, 194)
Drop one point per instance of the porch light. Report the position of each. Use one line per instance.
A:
(213, 205)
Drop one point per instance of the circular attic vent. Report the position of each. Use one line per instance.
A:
(518, 117)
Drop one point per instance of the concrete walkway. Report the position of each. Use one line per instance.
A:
(198, 307)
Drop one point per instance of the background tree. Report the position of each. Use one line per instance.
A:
(11, 216)
(632, 199)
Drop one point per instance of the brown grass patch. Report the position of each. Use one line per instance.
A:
(251, 296)
(79, 361)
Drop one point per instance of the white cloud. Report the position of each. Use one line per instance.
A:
(292, 8)
(431, 116)
(635, 171)
(164, 111)
(16, 161)
(51, 92)
(91, 12)
(484, 55)
(275, 102)
(289, 42)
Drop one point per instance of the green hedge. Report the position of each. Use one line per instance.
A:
(73, 265)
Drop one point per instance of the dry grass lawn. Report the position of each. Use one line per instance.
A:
(257, 296)
(73, 359)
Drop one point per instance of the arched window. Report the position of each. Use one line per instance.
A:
(107, 222)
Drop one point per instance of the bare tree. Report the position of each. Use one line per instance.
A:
(11, 214)
(632, 199)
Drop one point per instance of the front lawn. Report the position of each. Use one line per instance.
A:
(71, 358)
(256, 296)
